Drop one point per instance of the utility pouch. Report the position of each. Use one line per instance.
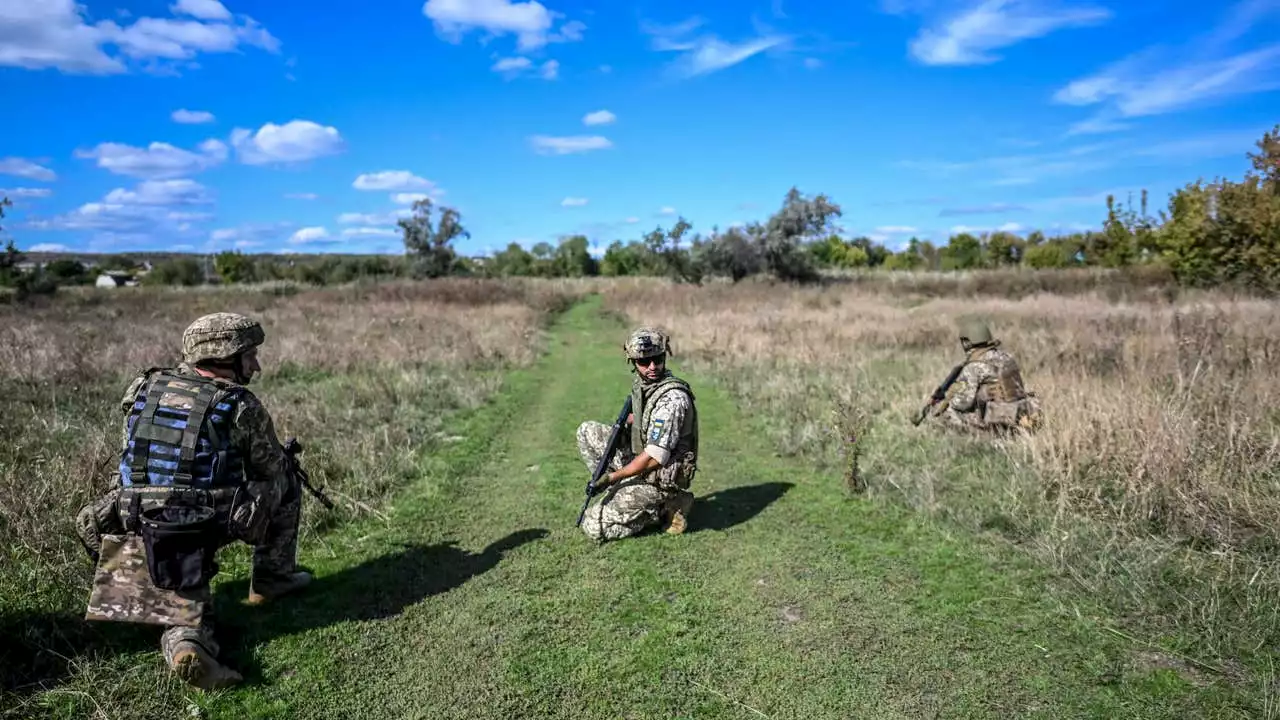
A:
(181, 542)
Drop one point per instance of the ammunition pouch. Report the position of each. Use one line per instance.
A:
(678, 474)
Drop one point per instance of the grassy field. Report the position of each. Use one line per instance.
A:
(969, 579)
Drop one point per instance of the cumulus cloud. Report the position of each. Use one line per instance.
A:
(192, 117)
(573, 202)
(704, 54)
(308, 234)
(293, 142)
(151, 210)
(22, 168)
(157, 160)
(970, 36)
(667, 211)
(531, 22)
(551, 145)
(391, 180)
(513, 67)
(411, 198)
(47, 248)
(599, 117)
(203, 9)
(56, 34)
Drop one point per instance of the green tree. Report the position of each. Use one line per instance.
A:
(963, 252)
(177, 271)
(430, 246)
(235, 267)
(573, 258)
(799, 219)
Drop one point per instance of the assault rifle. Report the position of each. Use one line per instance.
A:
(939, 394)
(292, 449)
(609, 449)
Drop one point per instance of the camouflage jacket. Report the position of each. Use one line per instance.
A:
(989, 374)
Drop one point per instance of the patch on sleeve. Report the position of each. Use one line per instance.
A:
(656, 432)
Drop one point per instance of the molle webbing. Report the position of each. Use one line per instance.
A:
(176, 438)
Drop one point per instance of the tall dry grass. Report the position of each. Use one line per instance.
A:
(364, 375)
(1155, 481)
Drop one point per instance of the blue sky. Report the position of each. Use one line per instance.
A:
(267, 126)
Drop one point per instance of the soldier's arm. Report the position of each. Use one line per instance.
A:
(664, 431)
(964, 395)
(266, 465)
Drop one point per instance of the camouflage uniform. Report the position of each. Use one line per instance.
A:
(988, 394)
(261, 508)
(665, 428)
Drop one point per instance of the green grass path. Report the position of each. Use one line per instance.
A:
(480, 599)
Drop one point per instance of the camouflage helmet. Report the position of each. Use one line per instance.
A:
(219, 336)
(974, 332)
(646, 342)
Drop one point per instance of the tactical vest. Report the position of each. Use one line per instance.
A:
(1008, 386)
(179, 434)
(644, 398)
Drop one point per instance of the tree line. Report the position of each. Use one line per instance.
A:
(1222, 232)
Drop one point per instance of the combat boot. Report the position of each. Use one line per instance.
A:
(678, 512)
(264, 589)
(197, 667)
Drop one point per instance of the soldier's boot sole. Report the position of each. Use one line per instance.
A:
(679, 521)
(261, 593)
(196, 667)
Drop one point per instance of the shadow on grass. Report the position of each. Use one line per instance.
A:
(723, 509)
(39, 651)
(374, 590)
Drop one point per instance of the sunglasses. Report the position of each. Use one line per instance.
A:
(646, 362)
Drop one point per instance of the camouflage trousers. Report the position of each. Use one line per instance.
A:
(628, 507)
(123, 590)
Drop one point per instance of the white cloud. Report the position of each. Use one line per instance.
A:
(153, 209)
(248, 235)
(308, 234)
(55, 34)
(531, 22)
(47, 248)
(301, 196)
(1096, 126)
(667, 211)
(892, 229)
(573, 202)
(599, 117)
(391, 180)
(549, 145)
(1026, 168)
(812, 63)
(192, 117)
(632, 220)
(970, 36)
(388, 218)
(705, 53)
(294, 141)
(370, 232)
(512, 65)
(410, 197)
(157, 160)
(203, 9)
(24, 192)
(19, 167)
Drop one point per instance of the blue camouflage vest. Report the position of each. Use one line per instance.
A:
(179, 436)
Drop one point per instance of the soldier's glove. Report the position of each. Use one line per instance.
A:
(920, 415)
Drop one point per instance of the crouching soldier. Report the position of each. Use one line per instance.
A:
(200, 467)
(649, 478)
(985, 392)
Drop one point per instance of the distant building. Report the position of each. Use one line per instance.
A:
(114, 279)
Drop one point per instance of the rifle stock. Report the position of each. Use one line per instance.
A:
(602, 466)
(292, 449)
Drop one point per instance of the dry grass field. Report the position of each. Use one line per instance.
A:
(1155, 480)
